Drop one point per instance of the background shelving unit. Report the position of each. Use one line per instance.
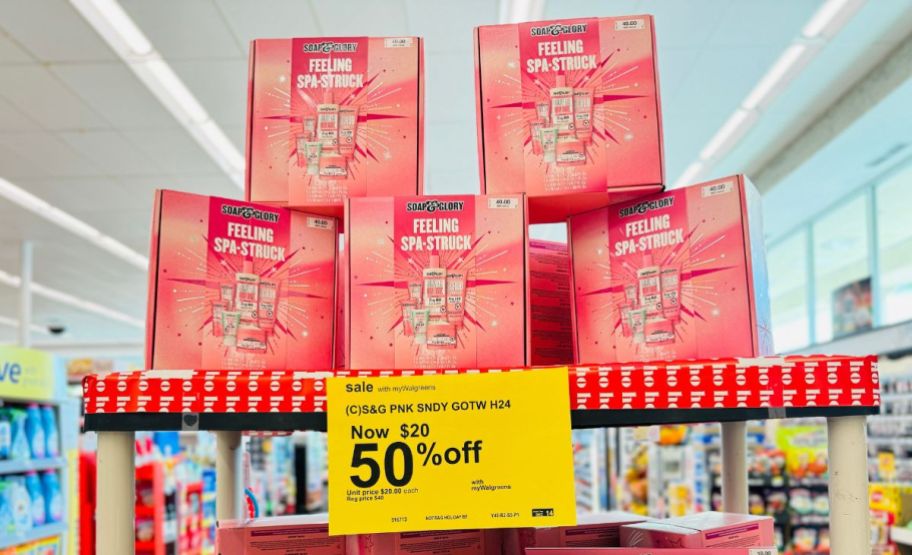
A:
(42, 380)
(843, 390)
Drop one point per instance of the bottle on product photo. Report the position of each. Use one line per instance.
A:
(435, 288)
(562, 106)
(649, 283)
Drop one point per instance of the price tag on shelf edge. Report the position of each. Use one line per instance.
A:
(445, 452)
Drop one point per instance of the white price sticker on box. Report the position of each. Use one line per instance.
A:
(398, 42)
(320, 223)
(763, 551)
(508, 203)
(629, 24)
(718, 189)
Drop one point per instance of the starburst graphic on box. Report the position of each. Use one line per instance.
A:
(479, 267)
(196, 296)
(609, 107)
(698, 293)
(292, 131)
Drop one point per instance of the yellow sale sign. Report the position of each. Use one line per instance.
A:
(443, 452)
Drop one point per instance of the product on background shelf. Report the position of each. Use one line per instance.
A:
(331, 117)
(404, 256)
(19, 444)
(34, 431)
(268, 272)
(549, 299)
(891, 505)
(53, 496)
(451, 542)
(51, 431)
(39, 507)
(568, 112)
(679, 274)
(591, 530)
(709, 529)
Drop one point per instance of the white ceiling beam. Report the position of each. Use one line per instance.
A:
(892, 71)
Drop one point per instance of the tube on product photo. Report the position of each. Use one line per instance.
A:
(348, 130)
(455, 297)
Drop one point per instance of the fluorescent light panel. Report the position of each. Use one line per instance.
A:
(74, 225)
(777, 77)
(728, 134)
(830, 17)
(824, 24)
(116, 27)
(72, 300)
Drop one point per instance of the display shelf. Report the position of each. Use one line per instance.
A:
(844, 390)
(621, 394)
(901, 535)
(37, 465)
(580, 419)
(36, 533)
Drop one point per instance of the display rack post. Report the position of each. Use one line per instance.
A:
(734, 467)
(228, 476)
(116, 494)
(849, 514)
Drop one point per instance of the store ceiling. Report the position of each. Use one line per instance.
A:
(79, 130)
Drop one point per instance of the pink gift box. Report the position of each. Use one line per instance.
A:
(700, 530)
(592, 530)
(331, 117)
(568, 112)
(283, 535)
(225, 290)
(676, 275)
(436, 282)
(451, 542)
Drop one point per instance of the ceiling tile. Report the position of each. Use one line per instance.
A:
(220, 85)
(173, 150)
(38, 94)
(115, 93)
(111, 152)
(11, 52)
(347, 18)
(53, 31)
(12, 119)
(278, 19)
(216, 184)
(54, 156)
(184, 29)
